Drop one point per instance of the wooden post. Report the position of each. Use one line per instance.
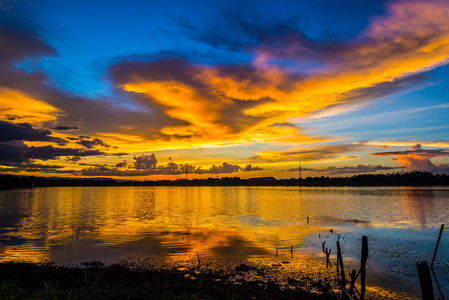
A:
(328, 262)
(291, 251)
(436, 248)
(323, 246)
(338, 271)
(363, 267)
(426, 281)
(276, 251)
(351, 285)
(342, 268)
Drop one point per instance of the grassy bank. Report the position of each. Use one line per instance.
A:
(95, 281)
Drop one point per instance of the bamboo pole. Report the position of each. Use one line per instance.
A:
(363, 266)
(342, 268)
(425, 280)
(436, 247)
(328, 262)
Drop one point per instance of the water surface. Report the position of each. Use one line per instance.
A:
(70, 225)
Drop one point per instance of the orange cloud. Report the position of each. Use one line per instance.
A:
(17, 106)
(417, 159)
(330, 153)
(241, 103)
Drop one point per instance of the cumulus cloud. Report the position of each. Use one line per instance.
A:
(249, 167)
(223, 168)
(145, 165)
(145, 161)
(417, 158)
(122, 164)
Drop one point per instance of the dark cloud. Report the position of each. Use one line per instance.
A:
(241, 28)
(249, 168)
(121, 164)
(50, 152)
(73, 159)
(65, 128)
(14, 153)
(32, 167)
(103, 170)
(92, 165)
(19, 40)
(145, 165)
(384, 89)
(333, 170)
(25, 132)
(120, 154)
(223, 168)
(145, 161)
(89, 144)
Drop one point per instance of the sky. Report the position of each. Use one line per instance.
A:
(150, 90)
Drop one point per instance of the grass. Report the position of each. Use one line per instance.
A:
(96, 281)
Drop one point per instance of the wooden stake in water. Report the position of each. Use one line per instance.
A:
(340, 261)
(328, 262)
(291, 251)
(436, 248)
(353, 278)
(363, 266)
(276, 251)
(426, 281)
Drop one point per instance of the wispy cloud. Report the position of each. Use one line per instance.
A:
(311, 154)
(359, 169)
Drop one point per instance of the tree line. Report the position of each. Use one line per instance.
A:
(415, 178)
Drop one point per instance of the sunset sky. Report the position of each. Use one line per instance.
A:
(140, 89)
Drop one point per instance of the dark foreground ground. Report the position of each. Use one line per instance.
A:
(94, 281)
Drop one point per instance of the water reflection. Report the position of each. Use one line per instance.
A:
(75, 224)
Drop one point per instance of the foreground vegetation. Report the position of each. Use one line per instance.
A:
(415, 178)
(94, 281)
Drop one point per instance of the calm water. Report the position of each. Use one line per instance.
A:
(69, 225)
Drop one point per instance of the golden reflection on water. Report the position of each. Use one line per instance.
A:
(55, 222)
(68, 224)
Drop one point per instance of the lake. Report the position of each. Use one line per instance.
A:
(225, 226)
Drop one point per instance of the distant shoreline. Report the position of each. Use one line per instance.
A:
(415, 178)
